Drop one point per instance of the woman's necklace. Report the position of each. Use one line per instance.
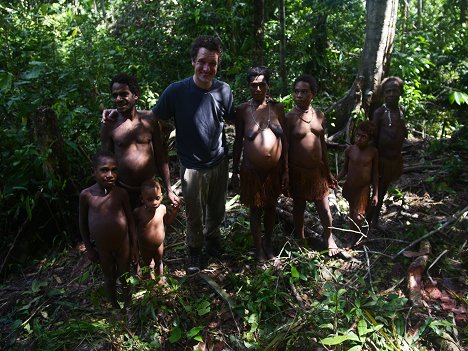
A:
(389, 114)
(255, 121)
(302, 113)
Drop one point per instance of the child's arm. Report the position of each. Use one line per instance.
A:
(331, 180)
(84, 228)
(375, 178)
(344, 170)
(284, 150)
(237, 150)
(131, 227)
(170, 216)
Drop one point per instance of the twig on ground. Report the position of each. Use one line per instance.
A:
(368, 268)
(433, 263)
(296, 295)
(454, 218)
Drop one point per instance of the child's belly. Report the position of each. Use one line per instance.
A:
(109, 233)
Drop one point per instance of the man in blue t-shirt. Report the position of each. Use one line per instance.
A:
(199, 106)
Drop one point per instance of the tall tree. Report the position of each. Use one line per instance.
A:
(381, 18)
(282, 69)
(259, 20)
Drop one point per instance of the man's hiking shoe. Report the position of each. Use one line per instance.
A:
(214, 247)
(193, 261)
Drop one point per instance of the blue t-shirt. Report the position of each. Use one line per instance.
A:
(199, 116)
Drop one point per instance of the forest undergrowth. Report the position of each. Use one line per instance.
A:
(301, 300)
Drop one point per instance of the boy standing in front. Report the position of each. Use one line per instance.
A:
(106, 218)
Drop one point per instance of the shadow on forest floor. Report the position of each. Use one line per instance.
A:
(297, 299)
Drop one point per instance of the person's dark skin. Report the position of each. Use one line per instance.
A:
(137, 143)
(307, 148)
(389, 137)
(361, 168)
(150, 218)
(261, 141)
(105, 215)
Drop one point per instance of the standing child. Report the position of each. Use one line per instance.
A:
(390, 132)
(150, 218)
(309, 173)
(106, 218)
(361, 169)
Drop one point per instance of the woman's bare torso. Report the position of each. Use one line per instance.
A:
(262, 145)
(305, 133)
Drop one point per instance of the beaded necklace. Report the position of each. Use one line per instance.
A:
(302, 113)
(389, 115)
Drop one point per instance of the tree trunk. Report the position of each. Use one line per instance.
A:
(381, 18)
(317, 65)
(50, 142)
(420, 12)
(282, 70)
(259, 19)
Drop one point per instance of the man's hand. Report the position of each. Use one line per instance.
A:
(109, 115)
(173, 198)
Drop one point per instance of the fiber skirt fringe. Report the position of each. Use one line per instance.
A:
(358, 199)
(259, 188)
(308, 183)
(390, 170)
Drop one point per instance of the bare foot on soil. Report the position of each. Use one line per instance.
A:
(333, 249)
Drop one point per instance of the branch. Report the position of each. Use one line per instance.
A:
(454, 218)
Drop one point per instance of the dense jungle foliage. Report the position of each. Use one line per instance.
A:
(61, 55)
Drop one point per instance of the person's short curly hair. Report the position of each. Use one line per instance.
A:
(208, 42)
(124, 78)
(367, 127)
(391, 79)
(258, 71)
(150, 184)
(308, 79)
(98, 156)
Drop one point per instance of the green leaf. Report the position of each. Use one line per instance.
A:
(6, 81)
(326, 326)
(355, 348)
(362, 328)
(132, 280)
(37, 285)
(294, 272)
(458, 97)
(203, 308)
(336, 340)
(176, 334)
(194, 332)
